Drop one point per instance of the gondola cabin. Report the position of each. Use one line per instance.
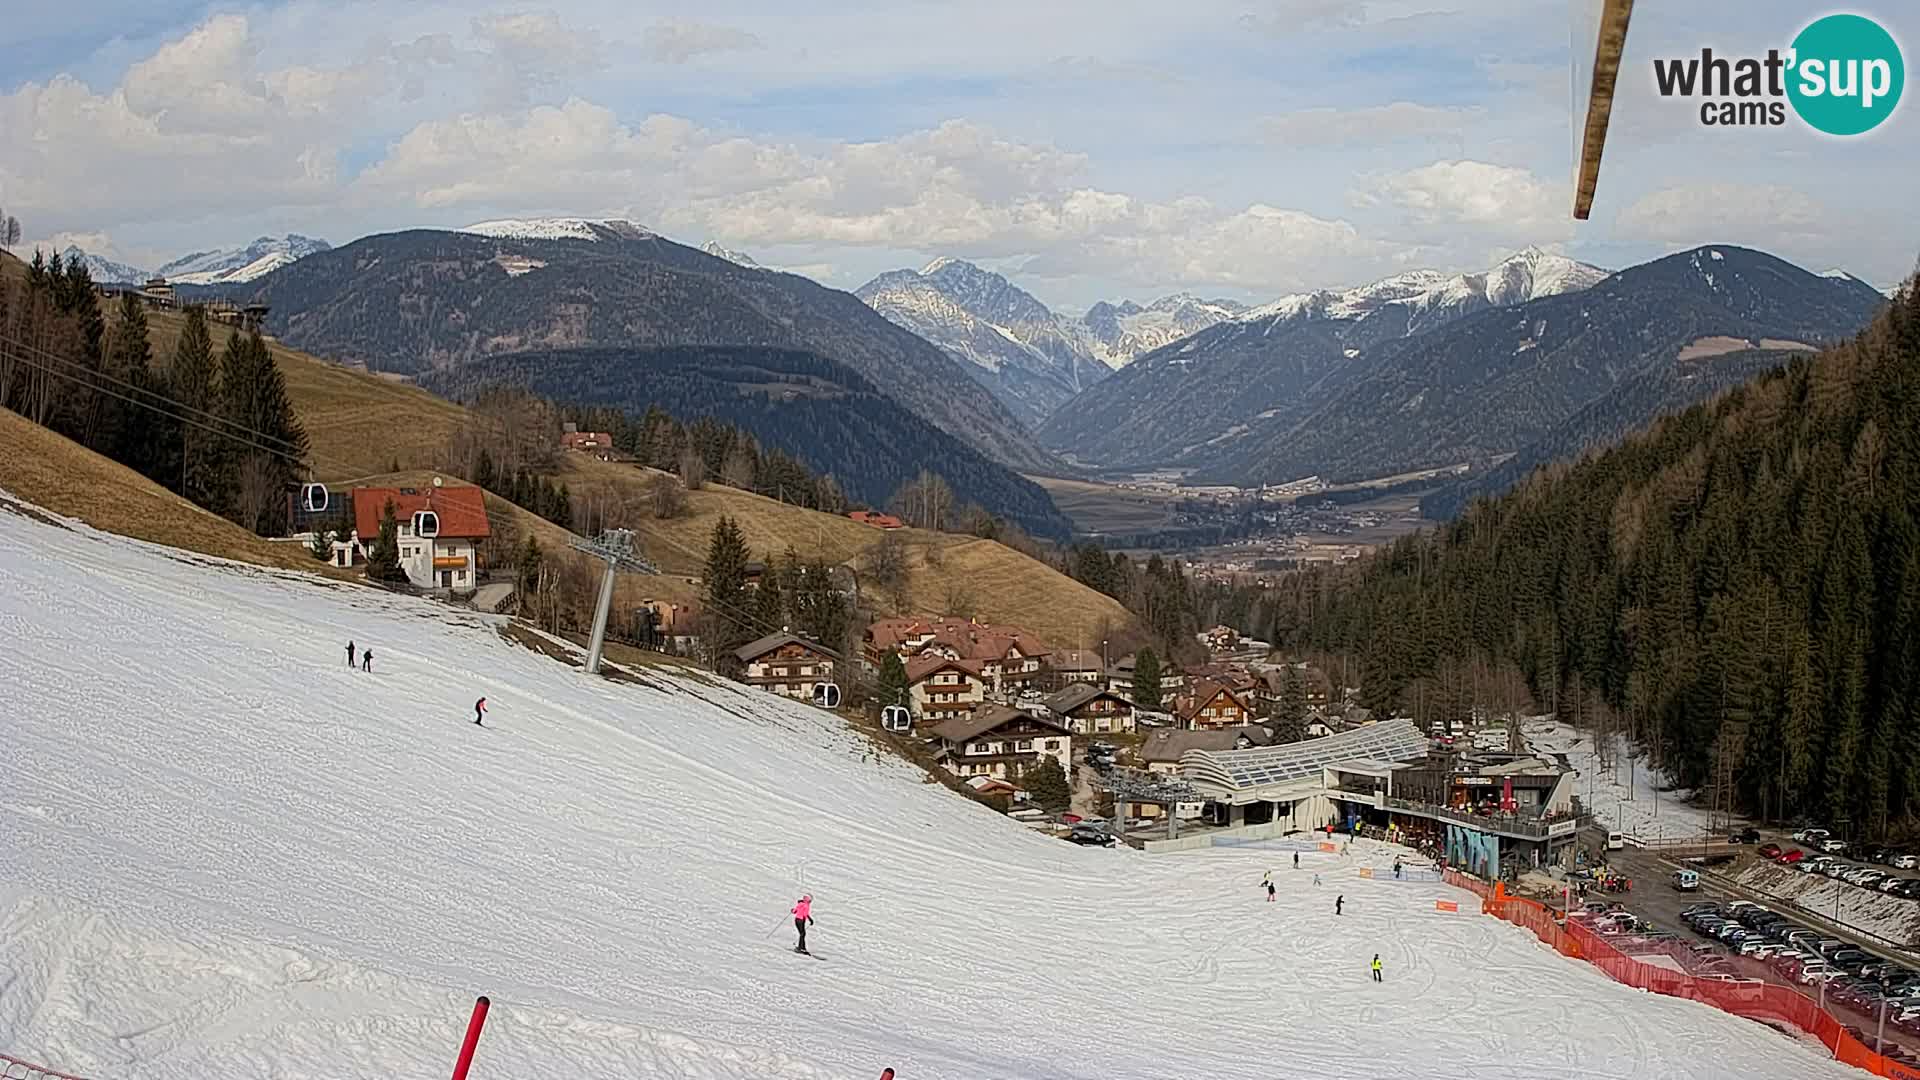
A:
(826, 696)
(896, 718)
(313, 498)
(426, 524)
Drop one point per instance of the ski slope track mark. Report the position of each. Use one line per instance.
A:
(222, 853)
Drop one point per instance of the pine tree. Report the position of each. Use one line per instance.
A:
(526, 567)
(1290, 710)
(891, 687)
(769, 602)
(725, 588)
(193, 382)
(383, 558)
(142, 438)
(321, 543)
(1146, 681)
(1046, 783)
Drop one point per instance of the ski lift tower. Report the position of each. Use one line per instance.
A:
(1127, 785)
(615, 547)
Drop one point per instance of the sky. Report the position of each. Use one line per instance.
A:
(1091, 150)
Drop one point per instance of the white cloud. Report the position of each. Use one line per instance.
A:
(1282, 17)
(194, 129)
(1500, 198)
(676, 41)
(530, 49)
(1705, 213)
(1369, 124)
(958, 188)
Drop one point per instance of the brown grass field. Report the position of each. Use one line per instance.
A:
(59, 474)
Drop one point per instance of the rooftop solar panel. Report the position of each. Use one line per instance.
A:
(1391, 740)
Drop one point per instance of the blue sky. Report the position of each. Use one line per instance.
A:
(1240, 148)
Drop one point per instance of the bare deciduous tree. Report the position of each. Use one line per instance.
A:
(693, 470)
(668, 497)
(258, 489)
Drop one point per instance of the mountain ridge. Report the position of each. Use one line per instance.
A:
(420, 300)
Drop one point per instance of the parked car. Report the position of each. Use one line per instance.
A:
(1792, 856)
(1811, 836)
(1816, 864)
(1832, 846)
(1910, 888)
(1748, 835)
(1769, 851)
(1091, 836)
(1878, 853)
(1904, 861)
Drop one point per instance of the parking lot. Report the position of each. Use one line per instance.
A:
(1821, 960)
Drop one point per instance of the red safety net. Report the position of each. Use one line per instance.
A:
(1755, 999)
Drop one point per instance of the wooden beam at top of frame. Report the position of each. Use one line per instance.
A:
(1606, 70)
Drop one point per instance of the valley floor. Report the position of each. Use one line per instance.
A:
(223, 853)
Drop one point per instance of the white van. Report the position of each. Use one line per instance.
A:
(1616, 841)
(1686, 880)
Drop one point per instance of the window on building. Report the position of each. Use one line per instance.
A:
(1024, 745)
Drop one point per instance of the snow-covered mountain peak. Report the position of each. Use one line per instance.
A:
(713, 248)
(229, 266)
(559, 228)
(941, 263)
(105, 271)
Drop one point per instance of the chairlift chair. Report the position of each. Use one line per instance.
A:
(826, 695)
(896, 718)
(313, 497)
(426, 524)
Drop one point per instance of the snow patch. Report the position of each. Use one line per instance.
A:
(556, 228)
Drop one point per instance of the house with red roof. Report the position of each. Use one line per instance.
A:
(439, 530)
(876, 519)
(939, 687)
(1010, 658)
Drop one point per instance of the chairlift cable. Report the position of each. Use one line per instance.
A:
(86, 373)
(190, 421)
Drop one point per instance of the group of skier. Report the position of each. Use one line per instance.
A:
(1266, 882)
(366, 664)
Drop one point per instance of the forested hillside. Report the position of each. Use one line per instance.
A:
(1626, 408)
(1739, 584)
(823, 414)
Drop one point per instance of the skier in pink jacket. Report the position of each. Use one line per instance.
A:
(803, 918)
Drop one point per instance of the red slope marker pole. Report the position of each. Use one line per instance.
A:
(473, 1038)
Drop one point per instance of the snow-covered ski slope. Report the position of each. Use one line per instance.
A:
(224, 854)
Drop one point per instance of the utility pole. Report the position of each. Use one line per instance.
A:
(615, 547)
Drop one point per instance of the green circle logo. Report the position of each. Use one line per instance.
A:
(1846, 76)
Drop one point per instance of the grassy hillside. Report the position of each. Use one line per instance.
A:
(358, 424)
(59, 474)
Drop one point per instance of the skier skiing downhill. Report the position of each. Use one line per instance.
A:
(1338, 903)
(803, 918)
(479, 710)
(1269, 892)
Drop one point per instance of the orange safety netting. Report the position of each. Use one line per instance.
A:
(1752, 998)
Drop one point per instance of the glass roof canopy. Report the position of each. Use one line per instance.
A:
(1239, 770)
